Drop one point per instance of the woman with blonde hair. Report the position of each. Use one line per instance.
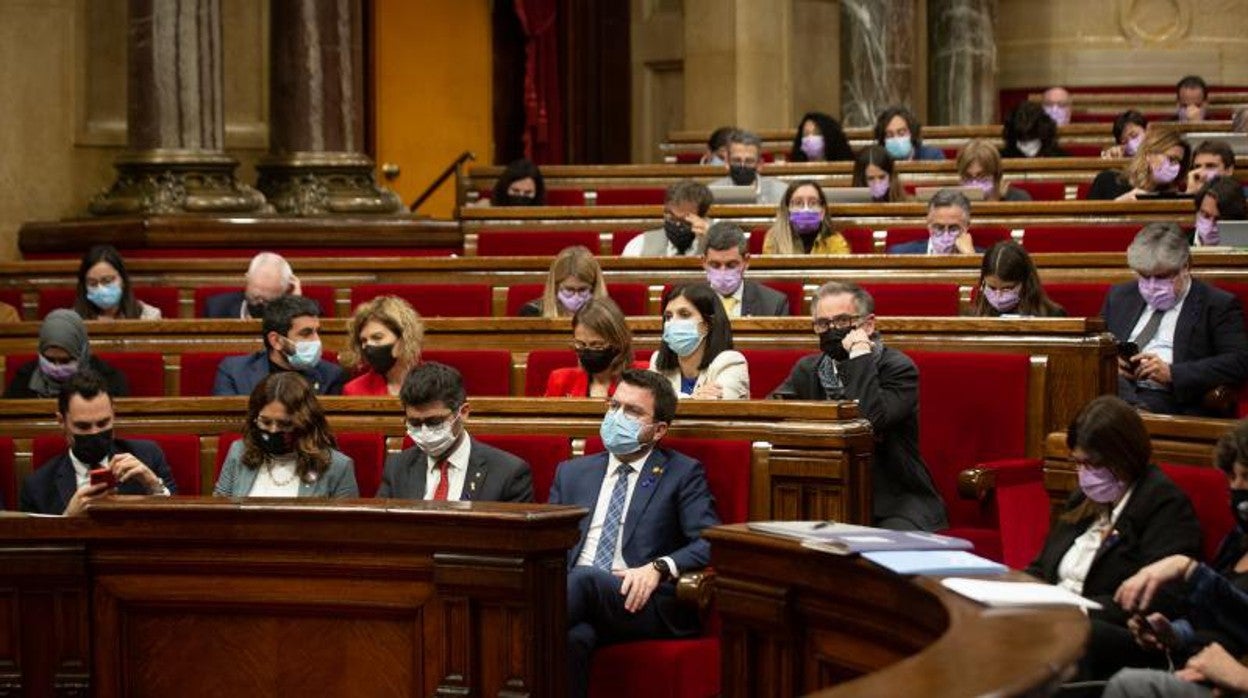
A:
(573, 279)
(802, 224)
(979, 166)
(384, 339)
(1159, 167)
(604, 348)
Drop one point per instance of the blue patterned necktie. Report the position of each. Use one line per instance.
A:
(605, 554)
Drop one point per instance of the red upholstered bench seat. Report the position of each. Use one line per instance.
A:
(246, 252)
(144, 370)
(433, 300)
(163, 297)
(633, 298)
(534, 243)
(1206, 487)
(181, 453)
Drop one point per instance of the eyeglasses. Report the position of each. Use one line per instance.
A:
(840, 322)
(102, 281)
(430, 422)
(271, 425)
(945, 229)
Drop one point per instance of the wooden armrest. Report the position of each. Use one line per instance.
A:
(696, 588)
(979, 481)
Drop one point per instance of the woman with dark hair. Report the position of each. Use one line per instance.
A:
(696, 354)
(802, 224)
(1129, 129)
(1125, 515)
(604, 348)
(64, 350)
(104, 291)
(820, 137)
(287, 449)
(898, 131)
(1221, 199)
(1009, 283)
(1029, 132)
(1158, 167)
(520, 184)
(873, 169)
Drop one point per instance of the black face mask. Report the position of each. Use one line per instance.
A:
(255, 310)
(679, 233)
(518, 200)
(380, 356)
(92, 449)
(830, 342)
(1239, 508)
(274, 443)
(742, 174)
(596, 361)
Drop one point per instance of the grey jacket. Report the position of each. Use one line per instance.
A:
(237, 479)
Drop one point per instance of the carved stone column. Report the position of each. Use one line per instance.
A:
(316, 163)
(174, 162)
(878, 46)
(962, 85)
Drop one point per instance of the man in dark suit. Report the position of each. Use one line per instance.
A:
(726, 258)
(446, 463)
(854, 364)
(948, 225)
(269, 276)
(84, 409)
(647, 509)
(292, 342)
(1191, 351)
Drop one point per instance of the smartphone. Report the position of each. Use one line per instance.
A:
(103, 476)
(1126, 350)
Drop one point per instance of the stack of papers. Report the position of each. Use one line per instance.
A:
(935, 562)
(992, 593)
(844, 539)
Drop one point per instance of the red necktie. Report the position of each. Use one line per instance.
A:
(444, 483)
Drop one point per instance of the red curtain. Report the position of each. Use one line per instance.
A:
(543, 104)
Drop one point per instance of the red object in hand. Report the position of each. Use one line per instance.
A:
(104, 476)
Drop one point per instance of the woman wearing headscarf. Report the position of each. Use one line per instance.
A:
(63, 349)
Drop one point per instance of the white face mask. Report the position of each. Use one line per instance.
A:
(1029, 148)
(434, 440)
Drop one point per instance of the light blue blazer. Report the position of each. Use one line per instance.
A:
(236, 479)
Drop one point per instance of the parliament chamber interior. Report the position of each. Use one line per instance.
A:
(677, 348)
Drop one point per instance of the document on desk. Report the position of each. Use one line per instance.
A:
(936, 562)
(994, 593)
(844, 539)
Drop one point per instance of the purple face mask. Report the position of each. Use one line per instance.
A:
(812, 146)
(1207, 231)
(725, 281)
(1100, 485)
(805, 221)
(57, 372)
(879, 188)
(1159, 294)
(1184, 115)
(1165, 171)
(573, 300)
(984, 184)
(1059, 114)
(1132, 146)
(1004, 299)
(943, 242)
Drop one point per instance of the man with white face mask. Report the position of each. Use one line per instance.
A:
(446, 463)
(1189, 336)
(726, 259)
(648, 507)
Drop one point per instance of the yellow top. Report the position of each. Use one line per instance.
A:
(834, 243)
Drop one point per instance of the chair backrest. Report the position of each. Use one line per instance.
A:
(486, 372)
(1042, 191)
(8, 475)
(632, 298)
(565, 197)
(972, 409)
(861, 240)
(533, 243)
(433, 300)
(323, 295)
(198, 371)
(1078, 299)
(632, 196)
(368, 451)
(53, 298)
(620, 240)
(543, 453)
(1210, 495)
(519, 294)
(181, 453)
(757, 238)
(795, 291)
(13, 297)
(921, 299)
(541, 363)
(1078, 238)
(144, 370)
(769, 367)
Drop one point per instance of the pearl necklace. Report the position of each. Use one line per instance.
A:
(268, 469)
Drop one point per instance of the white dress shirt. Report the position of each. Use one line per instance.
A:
(1162, 343)
(1072, 571)
(276, 478)
(594, 533)
(456, 472)
(638, 243)
(82, 473)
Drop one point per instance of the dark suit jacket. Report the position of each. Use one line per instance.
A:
(493, 475)
(1210, 345)
(1157, 521)
(239, 375)
(916, 247)
(671, 506)
(49, 489)
(758, 299)
(19, 387)
(887, 391)
(227, 306)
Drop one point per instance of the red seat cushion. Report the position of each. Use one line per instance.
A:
(486, 372)
(198, 372)
(541, 363)
(542, 452)
(368, 451)
(920, 299)
(769, 367)
(323, 295)
(1043, 191)
(632, 196)
(795, 291)
(1078, 299)
(534, 243)
(8, 475)
(433, 300)
(1207, 487)
(1078, 238)
(861, 240)
(1081, 191)
(181, 453)
(53, 298)
(565, 197)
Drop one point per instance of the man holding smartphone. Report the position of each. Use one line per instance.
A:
(95, 463)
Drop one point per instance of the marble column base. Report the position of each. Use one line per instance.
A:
(176, 181)
(312, 184)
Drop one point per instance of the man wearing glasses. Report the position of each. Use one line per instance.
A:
(446, 463)
(854, 364)
(1182, 344)
(948, 227)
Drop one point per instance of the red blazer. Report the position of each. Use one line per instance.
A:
(574, 382)
(371, 384)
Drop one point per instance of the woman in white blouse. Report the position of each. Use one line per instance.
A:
(696, 354)
(287, 449)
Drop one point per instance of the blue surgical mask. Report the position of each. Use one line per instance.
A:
(105, 296)
(682, 336)
(620, 433)
(899, 147)
(307, 354)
